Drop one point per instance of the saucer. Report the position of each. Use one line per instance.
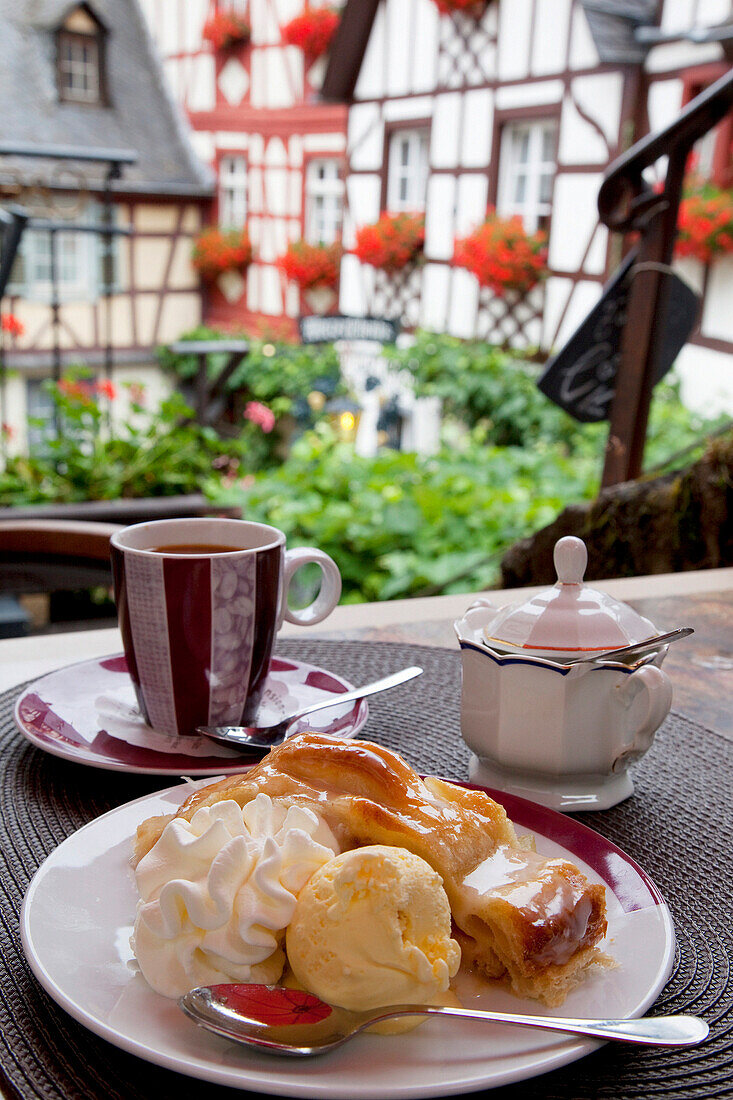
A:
(87, 713)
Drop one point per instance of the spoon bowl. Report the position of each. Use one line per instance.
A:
(297, 1024)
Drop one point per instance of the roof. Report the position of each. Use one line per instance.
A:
(612, 24)
(141, 115)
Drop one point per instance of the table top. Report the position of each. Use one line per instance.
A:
(701, 666)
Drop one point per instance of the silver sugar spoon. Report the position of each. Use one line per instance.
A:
(297, 1024)
(636, 648)
(266, 737)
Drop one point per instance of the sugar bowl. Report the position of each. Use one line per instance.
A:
(545, 714)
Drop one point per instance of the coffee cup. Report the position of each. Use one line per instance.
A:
(199, 603)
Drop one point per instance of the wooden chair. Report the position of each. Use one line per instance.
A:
(54, 555)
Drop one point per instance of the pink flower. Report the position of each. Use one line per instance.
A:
(107, 389)
(7, 431)
(258, 413)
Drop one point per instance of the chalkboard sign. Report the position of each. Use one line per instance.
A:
(581, 378)
(318, 329)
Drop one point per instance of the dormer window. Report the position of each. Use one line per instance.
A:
(80, 55)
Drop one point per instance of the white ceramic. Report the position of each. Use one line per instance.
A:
(543, 721)
(76, 923)
(88, 713)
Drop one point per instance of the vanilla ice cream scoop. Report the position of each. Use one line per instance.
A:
(218, 892)
(372, 927)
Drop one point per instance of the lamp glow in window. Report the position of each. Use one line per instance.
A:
(324, 201)
(407, 178)
(527, 169)
(232, 192)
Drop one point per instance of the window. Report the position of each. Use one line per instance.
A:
(80, 56)
(407, 170)
(80, 264)
(79, 68)
(714, 151)
(526, 172)
(232, 192)
(324, 201)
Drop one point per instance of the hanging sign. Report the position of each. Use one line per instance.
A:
(320, 329)
(582, 377)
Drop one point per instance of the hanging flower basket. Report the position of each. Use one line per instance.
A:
(392, 243)
(502, 255)
(216, 251)
(312, 31)
(311, 265)
(226, 30)
(705, 220)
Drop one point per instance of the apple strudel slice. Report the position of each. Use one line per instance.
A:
(519, 915)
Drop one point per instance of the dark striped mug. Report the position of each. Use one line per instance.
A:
(199, 603)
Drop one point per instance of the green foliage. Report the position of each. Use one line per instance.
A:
(281, 376)
(155, 452)
(398, 524)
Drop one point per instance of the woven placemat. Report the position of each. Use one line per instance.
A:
(679, 827)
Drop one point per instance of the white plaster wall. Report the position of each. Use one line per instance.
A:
(574, 218)
(552, 27)
(515, 25)
(324, 143)
(674, 56)
(678, 15)
(582, 298)
(529, 95)
(363, 194)
(194, 16)
(202, 85)
(412, 107)
(595, 263)
(717, 317)
(435, 293)
(276, 191)
(583, 52)
(231, 139)
(365, 136)
(425, 39)
(711, 12)
(471, 203)
(271, 290)
(439, 217)
(478, 120)
(463, 303)
(706, 378)
(370, 83)
(599, 97)
(665, 99)
(398, 45)
(256, 194)
(353, 287)
(445, 131)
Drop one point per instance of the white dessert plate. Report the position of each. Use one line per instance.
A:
(77, 919)
(87, 712)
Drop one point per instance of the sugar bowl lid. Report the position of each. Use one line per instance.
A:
(569, 620)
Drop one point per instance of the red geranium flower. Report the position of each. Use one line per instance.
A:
(502, 255)
(107, 389)
(216, 251)
(391, 243)
(473, 7)
(312, 31)
(705, 220)
(226, 29)
(311, 265)
(10, 323)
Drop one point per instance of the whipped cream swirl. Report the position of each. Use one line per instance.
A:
(218, 892)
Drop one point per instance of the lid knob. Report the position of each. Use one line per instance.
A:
(571, 557)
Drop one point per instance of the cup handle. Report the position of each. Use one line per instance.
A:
(657, 691)
(329, 594)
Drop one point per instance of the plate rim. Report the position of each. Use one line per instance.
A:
(540, 1063)
(63, 752)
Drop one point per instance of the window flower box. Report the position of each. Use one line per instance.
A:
(705, 220)
(226, 30)
(392, 243)
(502, 255)
(311, 31)
(311, 265)
(475, 8)
(217, 251)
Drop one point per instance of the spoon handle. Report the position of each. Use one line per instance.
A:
(669, 1031)
(396, 678)
(643, 647)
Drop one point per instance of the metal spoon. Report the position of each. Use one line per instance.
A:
(245, 1013)
(647, 646)
(265, 737)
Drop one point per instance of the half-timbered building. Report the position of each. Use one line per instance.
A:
(277, 151)
(521, 105)
(91, 141)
